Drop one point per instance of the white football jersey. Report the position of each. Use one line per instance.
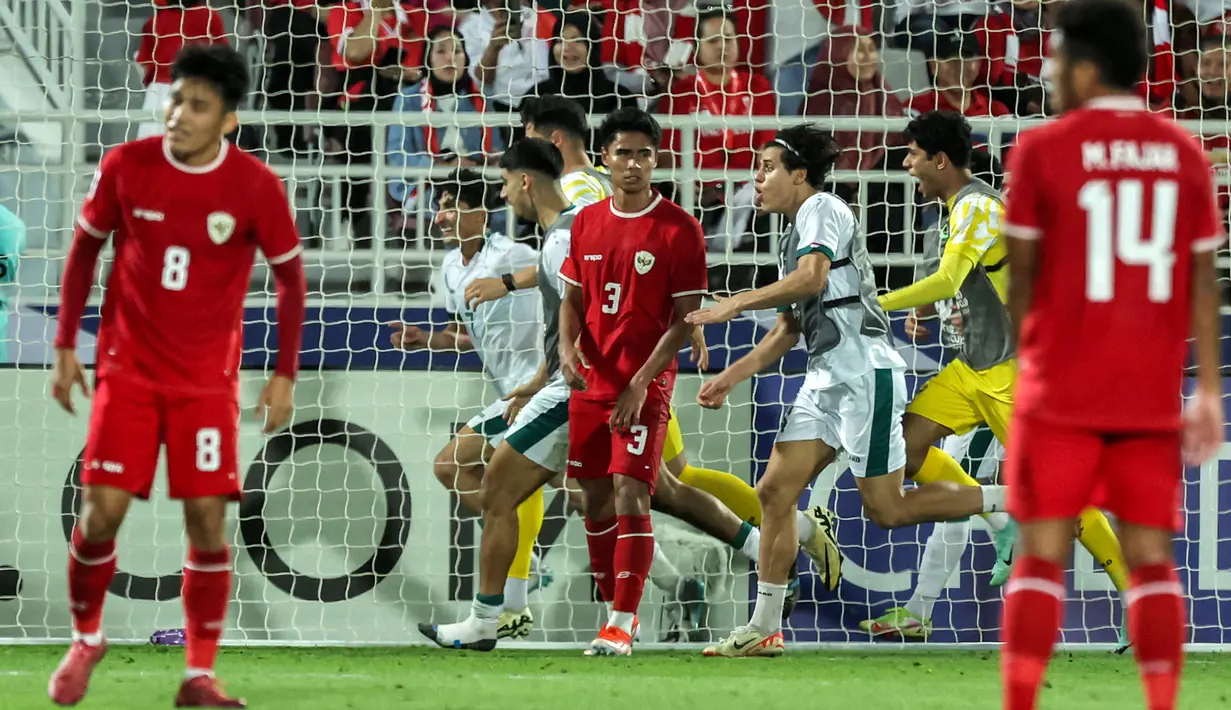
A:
(505, 332)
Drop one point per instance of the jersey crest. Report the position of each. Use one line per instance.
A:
(643, 261)
(220, 226)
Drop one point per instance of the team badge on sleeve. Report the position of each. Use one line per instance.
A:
(643, 261)
(220, 226)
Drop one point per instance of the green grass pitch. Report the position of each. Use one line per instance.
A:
(142, 677)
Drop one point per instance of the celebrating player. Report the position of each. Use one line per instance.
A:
(188, 211)
(970, 285)
(635, 268)
(854, 391)
(1112, 227)
(503, 333)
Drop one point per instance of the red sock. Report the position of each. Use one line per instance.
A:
(1033, 608)
(91, 565)
(601, 540)
(1157, 628)
(207, 590)
(634, 552)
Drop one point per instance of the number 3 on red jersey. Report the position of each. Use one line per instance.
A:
(1115, 221)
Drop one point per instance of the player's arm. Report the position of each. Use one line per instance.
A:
(1206, 325)
(806, 281)
(100, 215)
(772, 348)
(1023, 204)
(977, 229)
(1203, 425)
(452, 338)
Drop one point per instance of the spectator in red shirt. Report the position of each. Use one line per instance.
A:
(1013, 37)
(372, 42)
(955, 67)
(175, 24)
(721, 87)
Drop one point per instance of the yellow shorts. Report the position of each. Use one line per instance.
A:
(960, 398)
(674, 444)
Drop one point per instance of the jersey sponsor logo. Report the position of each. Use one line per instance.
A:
(108, 466)
(220, 226)
(571, 462)
(148, 215)
(593, 257)
(643, 261)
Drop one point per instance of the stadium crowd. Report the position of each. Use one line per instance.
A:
(983, 59)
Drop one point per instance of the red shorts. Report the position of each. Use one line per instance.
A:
(129, 424)
(1056, 471)
(595, 451)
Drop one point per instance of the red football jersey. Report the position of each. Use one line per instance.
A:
(630, 267)
(1120, 199)
(747, 93)
(185, 241)
(169, 31)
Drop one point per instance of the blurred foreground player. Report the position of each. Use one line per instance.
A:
(635, 268)
(1113, 225)
(188, 211)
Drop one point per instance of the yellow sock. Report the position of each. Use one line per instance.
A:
(529, 522)
(738, 496)
(1098, 537)
(939, 466)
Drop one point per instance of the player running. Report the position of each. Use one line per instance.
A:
(503, 334)
(854, 392)
(1112, 226)
(970, 285)
(188, 211)
(980, 452)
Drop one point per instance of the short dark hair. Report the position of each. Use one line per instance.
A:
(707, 13)
(630, 119)
(555, 113)
(1110, 34)
(217, 65)
(465, 186)
(808, 147)
(534, 155)
(945, 132)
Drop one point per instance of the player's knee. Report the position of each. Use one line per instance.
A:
(447, 468)
(1145, 547)
(886, 513)
(205, 523)
(102, 513)
(632, 497)
(773, 496)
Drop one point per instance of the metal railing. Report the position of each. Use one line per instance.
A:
(996, 133)
(43, 31)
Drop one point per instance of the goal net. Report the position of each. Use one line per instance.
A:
(353, 529)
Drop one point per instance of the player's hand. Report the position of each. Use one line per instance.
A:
(721, 312)
(484, 290)
(571, 363)
(518, 398)
(914, 329)
(67, 372)
(1203, 427)
(627, 410)
(700, 351)
(276, 403)
(408, 337)
(713, 392)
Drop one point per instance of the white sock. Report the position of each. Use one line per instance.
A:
(804, 527)
(996, 521)
(994, 498)
(515, 593)
(663, 573)
(485, 616)
(752, 545)
(767, 614)
(190, 673)
(941, 556)
(94, 639)
(623, 620)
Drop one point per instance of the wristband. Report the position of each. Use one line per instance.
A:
(509, 283)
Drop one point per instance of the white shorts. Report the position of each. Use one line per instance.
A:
(862, 416)
(540, 432)
(978, 451)
(490, 422)
(155, 101)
